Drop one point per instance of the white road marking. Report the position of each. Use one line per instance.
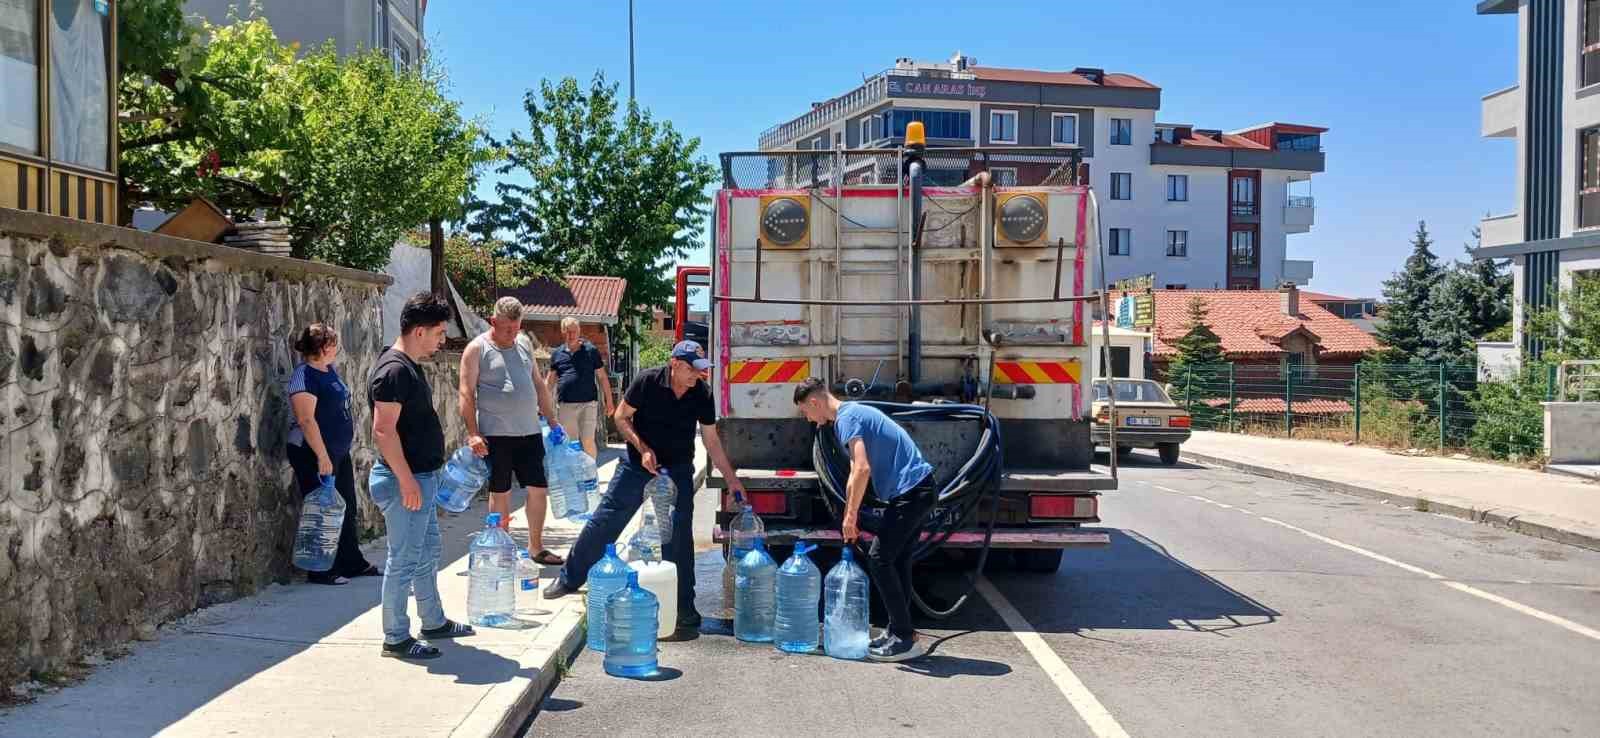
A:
(1165, 489)
(1356, 549)
(1094, 714)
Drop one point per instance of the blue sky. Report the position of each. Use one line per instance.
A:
(1399, 84)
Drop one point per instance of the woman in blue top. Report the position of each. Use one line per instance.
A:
(320, 435)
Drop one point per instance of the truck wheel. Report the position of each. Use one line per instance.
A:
(1169, 453)
(1038, 560)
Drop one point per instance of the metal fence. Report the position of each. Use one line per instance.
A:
(1404, 405)
(944, 167)
(1579, 381)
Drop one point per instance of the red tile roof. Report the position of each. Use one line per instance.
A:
(1277, 406)
(1228, 141)
(594, 297)
(1112, 79)
(1250, 322)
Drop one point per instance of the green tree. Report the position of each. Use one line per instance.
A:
(1571, 330)
(1407, 294)
(1491, 295)
(1449, 328)
(619, 195)
(1199, 372)
(477, 268)
(351, 152)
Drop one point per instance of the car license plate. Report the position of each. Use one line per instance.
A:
(1144, 421)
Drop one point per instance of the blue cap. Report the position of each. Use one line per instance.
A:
(691, 352)
(492, 519)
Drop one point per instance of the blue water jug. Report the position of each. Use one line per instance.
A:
(799, 588)
(491, 577)
(663, 495)
(464, 474)
(645, 545)
(567, 498)
(316, 541)
(755, 596)
(608, 575)
(844, 602)
(631, 621)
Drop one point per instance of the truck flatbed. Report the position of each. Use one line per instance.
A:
(1010, 538)
(1095, 478)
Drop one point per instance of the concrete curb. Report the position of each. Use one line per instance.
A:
(504, 711)
(1536, 526)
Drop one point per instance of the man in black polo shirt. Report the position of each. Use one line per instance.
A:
(657, 417)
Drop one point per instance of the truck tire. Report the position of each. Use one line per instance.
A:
(1038, 560)
(1169, 453)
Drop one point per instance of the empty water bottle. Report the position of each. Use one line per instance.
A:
(645, 545)
(631, 620)
(608, 575)
(663, 496)
(586, 475)
(317, 539)
(799, 588)
(527, 572)
(568, 499)
(745, 530)
(844, 627)
(755, 596)
(491, 578)
(464, 474)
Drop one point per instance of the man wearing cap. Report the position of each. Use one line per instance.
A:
(657, 417)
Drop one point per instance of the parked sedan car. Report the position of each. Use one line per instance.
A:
(1146, 418)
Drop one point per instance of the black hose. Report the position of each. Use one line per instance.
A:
(976, 480)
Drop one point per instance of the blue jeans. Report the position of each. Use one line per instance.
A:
(621, 501)
(414, 545)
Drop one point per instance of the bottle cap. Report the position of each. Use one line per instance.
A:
(558, 435)
(802, 548)
(633, 577)
(849, 553)
(492, 520)
(611, 549)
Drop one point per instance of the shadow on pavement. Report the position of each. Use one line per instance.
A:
(1143, 459)
(471, 665)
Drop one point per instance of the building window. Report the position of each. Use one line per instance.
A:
(1121, 242)
(380, 24)
(1589, 178)
(1121, 186)
(866, 131)
(1242, 251)
(666, 324)
(1178, 243)
(402, 58)
(1242, 284)
(1177, 187)
(80, 89)
(955, 124)
(19, 76)
(1122, 131)
(1299, 142)
(1003, 126)
(1177, 286)
(838, 139)
(1589, 69)
(1243, 198)
(1063, 129)
(1004, 176)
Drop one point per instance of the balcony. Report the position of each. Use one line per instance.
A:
(874, 90)
(1502, 112)
(1298, 271)
(1499, 230)
(1299, 214)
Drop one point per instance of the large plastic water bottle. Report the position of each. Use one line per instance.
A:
(663, 496)
(799, 587)
(568, 499)
(317, 539)
(844, 627)
(745, 530)
(464, 474)
(608, 575)
(645, 545)
(755, 596)
(491, 578)
(631, 620)
(586, 477)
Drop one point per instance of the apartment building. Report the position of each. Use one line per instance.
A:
(1198, 208)
(352, 25)
(1552, 114)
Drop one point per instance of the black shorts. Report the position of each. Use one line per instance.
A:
(522, 456)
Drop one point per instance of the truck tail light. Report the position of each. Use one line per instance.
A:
(769, 503)
(1180, 421)
(1061, 506)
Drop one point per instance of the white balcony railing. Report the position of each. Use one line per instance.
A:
(1499, 230)
(869, 93)
(1299, 214)
(1502, 111)
(1298, 271)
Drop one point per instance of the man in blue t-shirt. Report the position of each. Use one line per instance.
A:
(882, 453)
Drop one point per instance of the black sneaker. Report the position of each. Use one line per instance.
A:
(410, 649)
(690, 621)
(557, 589)
(878, 641)
(450, 629)
(896, 649)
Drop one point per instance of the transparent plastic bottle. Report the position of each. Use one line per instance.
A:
(755, 596)
(527, 572)
(608, 575)
(844, 628)
(631, 620)
(663, 496)
(586, 482)
(645, 545)
(745, 530)
(491, 577)
(316, 540)
(799, 588)
(464, 474)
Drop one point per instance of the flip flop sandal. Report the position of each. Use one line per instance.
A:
(450, 629)
(545, 558)
(334, 581)
(410, 649)
(370, 571)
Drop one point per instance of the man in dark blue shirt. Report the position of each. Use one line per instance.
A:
(882, 454)
(581, 386)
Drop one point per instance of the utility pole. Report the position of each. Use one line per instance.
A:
(630, 50)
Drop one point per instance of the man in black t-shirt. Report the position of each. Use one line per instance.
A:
(657, 416)
(405, 479)
(581, 385)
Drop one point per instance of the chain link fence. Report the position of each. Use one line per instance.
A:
(944, 167)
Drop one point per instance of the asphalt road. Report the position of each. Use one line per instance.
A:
(1226, 605)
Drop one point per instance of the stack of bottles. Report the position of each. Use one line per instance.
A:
(570, 474)
(491, 577)
(464, 474)
(317, 539)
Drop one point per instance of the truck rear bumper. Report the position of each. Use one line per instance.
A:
(1051, 537)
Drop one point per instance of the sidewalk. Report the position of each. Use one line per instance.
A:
(302, 660)
(1546, 506)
